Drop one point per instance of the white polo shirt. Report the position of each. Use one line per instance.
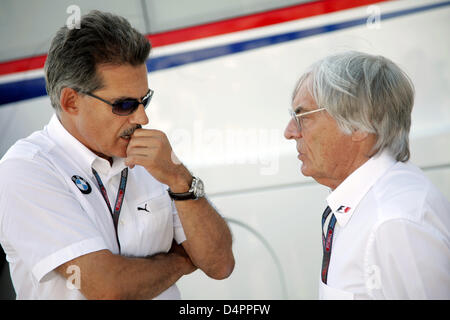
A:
(393, 242)
(46, 219)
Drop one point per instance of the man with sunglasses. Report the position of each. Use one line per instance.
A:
(94, 206)
(385, 230)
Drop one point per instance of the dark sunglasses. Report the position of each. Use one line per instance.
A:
(127, 106)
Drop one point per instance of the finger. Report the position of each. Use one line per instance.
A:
(144, 136)
(133, 146)
(140, 152)
(137, 159)
(144, 141)
(148, 133)
(142, 147)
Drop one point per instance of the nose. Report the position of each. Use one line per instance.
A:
(292, 131)
(139, 116)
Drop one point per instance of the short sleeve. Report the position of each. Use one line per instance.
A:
(178, 231)
(41, 221)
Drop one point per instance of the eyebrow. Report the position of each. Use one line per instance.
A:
(301, 109)
(130, 98)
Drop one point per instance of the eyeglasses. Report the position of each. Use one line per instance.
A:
(298, 117)
(127, 106)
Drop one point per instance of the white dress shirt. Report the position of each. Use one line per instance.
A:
(46, 219)
(391, 239)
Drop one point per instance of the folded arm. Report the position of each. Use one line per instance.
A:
(104, 275)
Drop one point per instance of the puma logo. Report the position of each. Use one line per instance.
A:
(143, 209)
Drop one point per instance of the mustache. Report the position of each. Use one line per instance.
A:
(130, 131)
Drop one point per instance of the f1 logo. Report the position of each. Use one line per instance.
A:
(343, 209)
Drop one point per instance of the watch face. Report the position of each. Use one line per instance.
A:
(199, 189)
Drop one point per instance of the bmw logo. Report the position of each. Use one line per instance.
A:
(82, 184)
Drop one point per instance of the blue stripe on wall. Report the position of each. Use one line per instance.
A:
(22, 90)
(32, 88)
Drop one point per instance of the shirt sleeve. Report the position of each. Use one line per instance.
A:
(41, 221)
(413, 261)
(178, 231)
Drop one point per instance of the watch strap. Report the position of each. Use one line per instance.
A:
(182, 196)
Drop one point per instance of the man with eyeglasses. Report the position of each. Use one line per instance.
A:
(385, 230)
(94, 206)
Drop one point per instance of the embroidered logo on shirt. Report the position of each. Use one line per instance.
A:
(143, 209)
(343, 209)
(81, 184)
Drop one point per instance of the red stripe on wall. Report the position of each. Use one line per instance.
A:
(26, 64)
(257, 20)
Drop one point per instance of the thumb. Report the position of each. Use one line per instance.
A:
(129, 164)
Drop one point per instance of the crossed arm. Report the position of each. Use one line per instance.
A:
(208, 246)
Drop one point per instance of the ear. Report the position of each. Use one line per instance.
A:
(358, 135)
(68, 100)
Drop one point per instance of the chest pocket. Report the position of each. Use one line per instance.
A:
(328, 293)
(154, 220)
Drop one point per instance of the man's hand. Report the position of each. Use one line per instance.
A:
(208, 239)
(151, 149)
(179, 250)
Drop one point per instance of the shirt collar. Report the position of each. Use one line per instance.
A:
(345, 198)
(86, 159)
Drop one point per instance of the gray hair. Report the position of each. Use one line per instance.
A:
(103, 38)
(367, 93)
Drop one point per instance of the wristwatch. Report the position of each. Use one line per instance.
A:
(196, 191)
